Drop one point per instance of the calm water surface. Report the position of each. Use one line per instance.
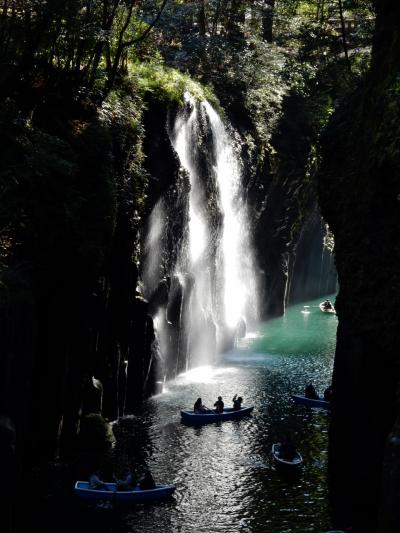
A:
(223, 472)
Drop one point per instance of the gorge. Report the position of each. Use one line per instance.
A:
(165, 167)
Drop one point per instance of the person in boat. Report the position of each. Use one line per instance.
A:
(219, 405)
(328, 393)
(147, 482)
(96, 483)
(237, 402)
(127, 483)
(287, 450)
(327, 304)
(310, 392)
(199, 407)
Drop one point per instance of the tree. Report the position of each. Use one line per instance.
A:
(268, 19)
(63, 42)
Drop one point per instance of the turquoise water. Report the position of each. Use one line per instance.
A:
(304, 330)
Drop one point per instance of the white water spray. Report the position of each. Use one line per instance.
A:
(215, 262)
(200, 318)
(153, 249)
(240, 301)
(184, 136)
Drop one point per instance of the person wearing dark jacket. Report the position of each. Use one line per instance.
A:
(237, 402)
(126, 483)
(199, 407)
(310, 392)
(219, 405)
(287, 451)
(96, 483)
(147, 482)
(328, 393)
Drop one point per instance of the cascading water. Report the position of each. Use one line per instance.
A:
(214, 265)
(239, 280)
(152, 252)
(200, 319)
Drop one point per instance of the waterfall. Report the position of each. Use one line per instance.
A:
(200, 319)
(152, 253)
(240, 292)
(214, 266)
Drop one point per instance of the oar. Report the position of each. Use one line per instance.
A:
(310, 305)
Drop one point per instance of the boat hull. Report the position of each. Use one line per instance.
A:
(329, 311)
(293, 465)
(309, 402)
(136, 495)
(228, 414)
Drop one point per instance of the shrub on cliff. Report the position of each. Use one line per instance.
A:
(94, 434)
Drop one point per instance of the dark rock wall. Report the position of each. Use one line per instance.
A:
(312, 270)
(73, 190)
(283, 198)
(359, 191)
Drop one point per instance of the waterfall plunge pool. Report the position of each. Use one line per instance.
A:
(225, 479)
(224, 476)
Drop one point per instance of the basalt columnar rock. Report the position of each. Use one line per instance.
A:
(73, 190)
(312, 271)
(284, 201)
(359, 191)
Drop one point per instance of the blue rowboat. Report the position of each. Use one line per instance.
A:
(302, 400)
(137, 495)
(294, 464)
(204, 418)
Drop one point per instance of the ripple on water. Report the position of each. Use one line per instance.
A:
(224, 474)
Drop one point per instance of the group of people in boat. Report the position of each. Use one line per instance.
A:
(311, 393)
(200, 408)
(327, 305)
(287, 450)
(146, 482)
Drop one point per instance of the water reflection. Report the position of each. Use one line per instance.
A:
(225, 478)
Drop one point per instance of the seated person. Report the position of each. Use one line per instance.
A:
(128, 483)
(328, 393)
(327, 304)
(219, 405)
(147, 481)
(96, 483)
(237, 402)
(287, 449)
(199, 407)
(310, 392)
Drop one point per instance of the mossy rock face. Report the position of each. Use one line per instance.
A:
(94, 434)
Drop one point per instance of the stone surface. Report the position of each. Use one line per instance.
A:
(359, 192)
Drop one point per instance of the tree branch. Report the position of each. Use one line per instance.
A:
(148, 29)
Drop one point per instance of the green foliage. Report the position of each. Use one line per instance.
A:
(73, 44)
(122, 114)
(61, 186)
(260, 70)
(72, 174)
(166, 84)
(95, 434)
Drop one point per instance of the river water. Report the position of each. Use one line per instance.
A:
(225, 479)
(224, 476)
